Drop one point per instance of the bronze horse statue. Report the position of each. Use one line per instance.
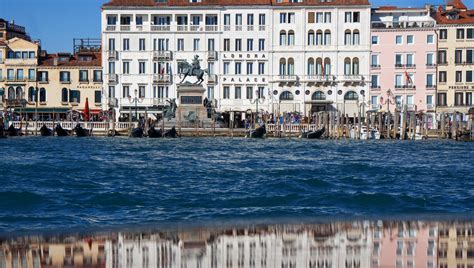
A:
(188, 70)
(169, 111)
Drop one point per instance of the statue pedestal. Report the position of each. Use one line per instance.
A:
(190, 102)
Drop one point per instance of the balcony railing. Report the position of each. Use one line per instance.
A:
(226, 27)
(112, 54)
(261, 27)
(238, 27)
(124, 27)
(353, 78)
(182, 28)
(375, 66)
(430, 65)
(430, 86)
(286, 78)
(212, 28)
(113, 78)
(212, 79)
(320, 78)
(160, 28)
(162, 55)
(65, 81)
(375, 87)
(403, 24)
(110, 28)
(411, 107)
(212, 55)
(161, 78)
(405, 87)
(410, 65)
(430, 107)
(250, 28)
(194, 28)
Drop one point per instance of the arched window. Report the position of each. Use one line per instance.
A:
(291, 66)
(355, 66)
(291, 38)
(19, 93)
(64, 95)
(282, 66)
(319, 37)
(327, 66)
(351, 95)
(31, 94)
(11, 93)
(311, 38)
(327, 37)
(282, 38)
(319, 66)
(42, 95)
(347, 66)
(318, 95)
(311, 66)
(347, 37)
(286, 96)
(356, 37)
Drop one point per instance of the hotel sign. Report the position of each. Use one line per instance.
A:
(244, 79)
(460, 87)
(244, 56)
(89, 87)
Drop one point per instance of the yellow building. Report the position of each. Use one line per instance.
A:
(455, 57)
(65, 82)
(456, 245)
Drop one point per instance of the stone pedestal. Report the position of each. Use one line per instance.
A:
(190, 102)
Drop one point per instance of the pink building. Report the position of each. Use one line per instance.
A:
(405, 245)
(403, 60)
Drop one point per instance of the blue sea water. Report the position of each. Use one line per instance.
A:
(75, 183)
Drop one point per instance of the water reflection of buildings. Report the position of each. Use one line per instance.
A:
(330, 245)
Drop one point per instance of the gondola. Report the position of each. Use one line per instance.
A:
(82, 132)
(258, 133)
(153, 133)
(172, 133)
(137, 132)
(12, 131)
(316, 134)
(45, 131)
(61, 132)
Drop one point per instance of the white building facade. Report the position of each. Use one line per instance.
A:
(305, 56)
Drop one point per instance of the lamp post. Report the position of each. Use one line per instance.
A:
(389, 99)
(256, 101)
(135, 100)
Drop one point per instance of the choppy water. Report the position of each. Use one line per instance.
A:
(75, 183)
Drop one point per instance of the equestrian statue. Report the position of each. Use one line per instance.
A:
(193, 69)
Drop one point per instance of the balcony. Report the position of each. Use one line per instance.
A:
(402, 24)
(261, 28)
(430, 86)
(65, 81)
(43, 81)
(353, 79)
(375, 66)
(238, 27)
(31, 79)
(408, 87)
(375, 87)
(110, 28)
(113, 78)
(212, 28)
(430, 65)
(125, 27)
(399, 65)
(194, 28)
(160, 28)
(320, 79)
(162, 78)
(250, 28)
(410, 66)
(162, 55)
(411, 107)
(212, 79)
(182, 28)
(430, 107)
(112, 54)
(286, 78)
(226, 28)
(212, 55)
(112, 102)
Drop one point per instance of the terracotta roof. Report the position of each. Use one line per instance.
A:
(49, 60)
(389, 8)
(465, 16)
(457, 4)
(152, 3)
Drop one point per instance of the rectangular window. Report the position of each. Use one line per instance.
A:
(10, 74)
(469, 103)
(410, 60)
(180, 44)
(398, 81)
(429, 59)
(64, 76)
(126, 44)
(249, 44)
(261, 92)
(458, 76)
(97, 76)
(374, 61)
(469, 76)
(238, 44)
(226, 93)
(319, 17)
(458, 101)
(429, 80)
(398, 39)
(261, 44)
(196, 44)
(211, 44)
(458, 56)
(327, 17)
(430, 39)
(348, 17)
(126, 91)
(249, 68)
(375, 40)
(210, 92)
(261, 68)
(238, 19)
(442, 77)
(460, 34)
(442, 57)
(375, 81)
(441, 101)
(374, 100)
(83, 76)
(141, 91)
(226, 44)
(97, 96)
(291, 17)
(31, 74)
(141, 67)
(126, 67)
(227, 19)
(356, 17)
(429, 99)
(443, 34)
(237, 93)
(249, 93)
(249, 19)
(238, 68)
(398, 60)
(31, 55)
(141, 44)
(111, 44)
(75, 96)
(410, 39)
(311, 17)
(261, 19)
(469, 56)
(226, 67)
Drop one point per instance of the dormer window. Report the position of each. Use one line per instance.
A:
(195, 1)
(85, 58)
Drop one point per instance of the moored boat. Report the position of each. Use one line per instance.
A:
(172, 133)
(315, 134)
(153, 133)
(45, 131)
(258, 133)
(12, 131)
(136, 132)
(82, 132)
(60, 131)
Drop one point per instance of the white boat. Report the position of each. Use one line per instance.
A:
(371, 134)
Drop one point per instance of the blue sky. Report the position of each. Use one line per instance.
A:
(57, 22)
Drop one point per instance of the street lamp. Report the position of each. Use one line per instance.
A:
(256, 101)
(389, 99)
(135, 100)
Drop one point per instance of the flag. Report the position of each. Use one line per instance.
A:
(408, 79)
(322, 69)
(162, 67)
